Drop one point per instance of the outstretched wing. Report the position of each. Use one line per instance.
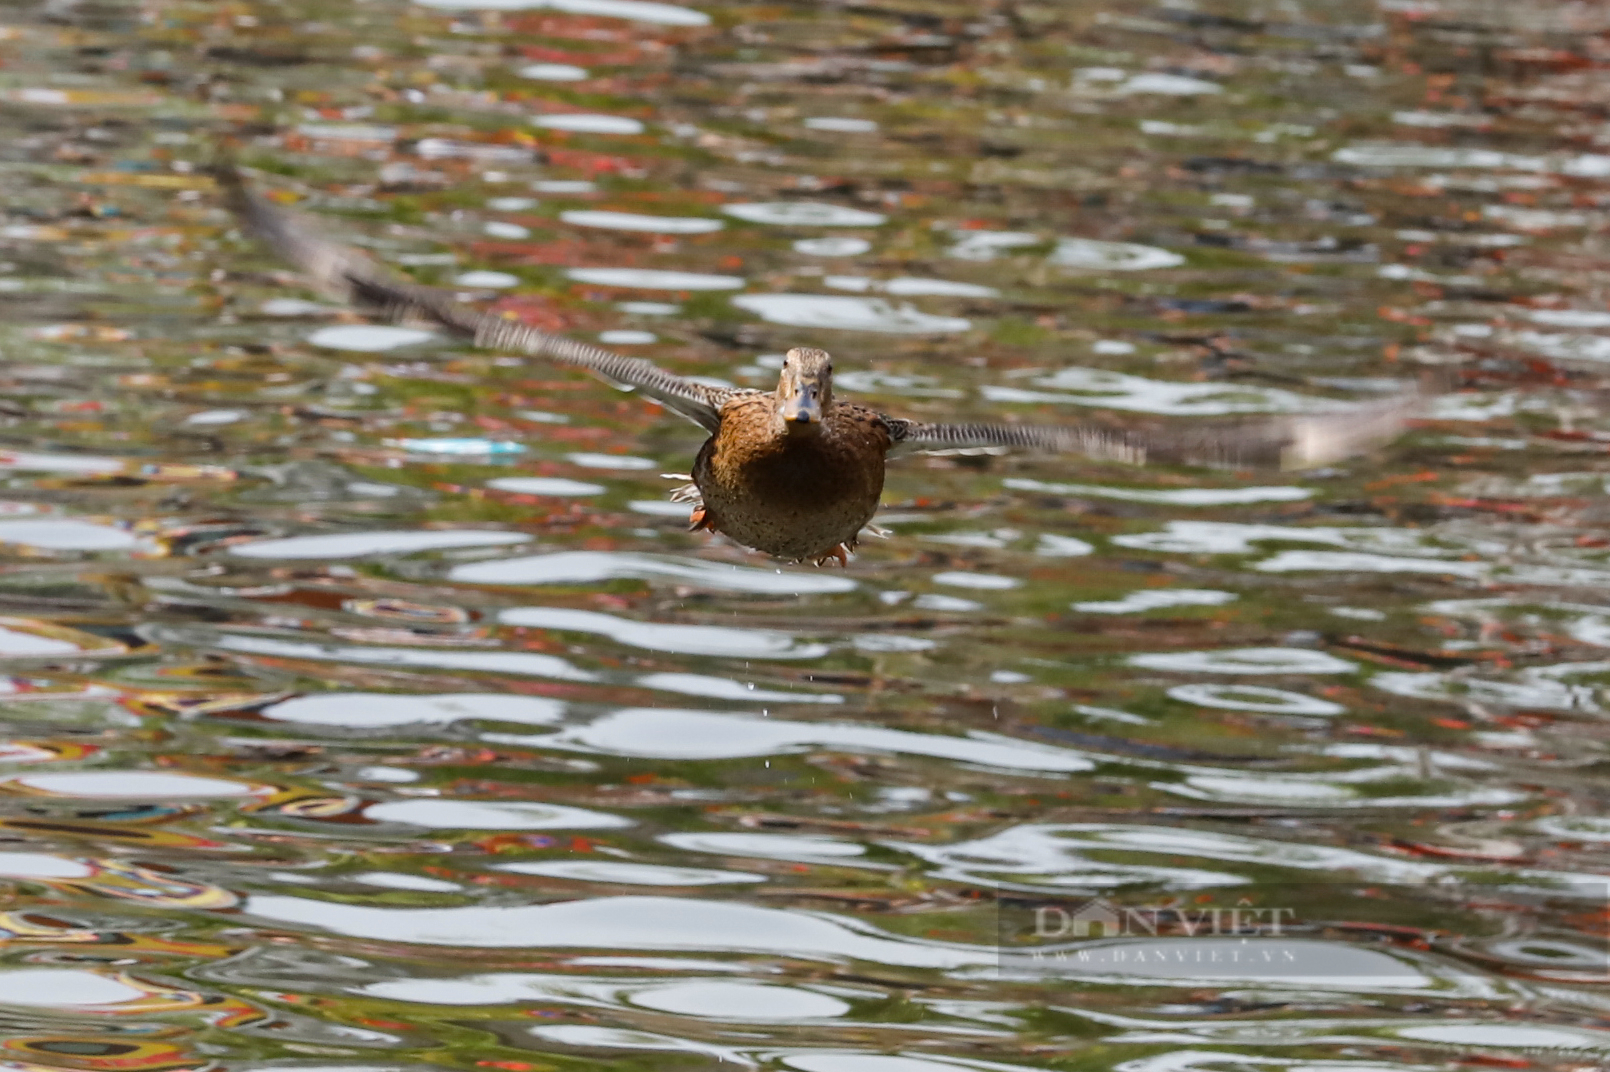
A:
(1294, 442)
(349, 275)
(911, 436)
(1298, 441)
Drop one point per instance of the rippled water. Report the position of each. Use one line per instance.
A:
(368, 706)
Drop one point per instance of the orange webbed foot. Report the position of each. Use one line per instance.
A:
(841, 553)
(701, 519)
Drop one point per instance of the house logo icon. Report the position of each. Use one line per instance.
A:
(1096, 918)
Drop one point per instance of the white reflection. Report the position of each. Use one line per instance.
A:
(669, 734)
(552, 72)
(137, 785)
(633, 221)
(1255, 698)
(724, 1000)
(910, 286)
(986, 245)
(616, 1038)
(1155, 599)
(1084, 855)
(1245, 661)
(367, 338)
(1357, 562)
(63, 988)
(766, 846)
(651, 279)
(493, 662)
(1167, 496)
(360, 544)
(374, 710)
(1111, 256)
(489, 280)
(67, 535)
(848, 314)
(804, 214)
(395, 880)
(586, 123)
(832, 246)
(491, 815)
(651, 11)
(1509, 1036)
(1117, 390)
(84, 464)
(991, 582)
(724, 688)
(544, 485)
(849, 1061)
(41, 865)
(674, 639)
(590, 567)
(664, 923)
(618, 872)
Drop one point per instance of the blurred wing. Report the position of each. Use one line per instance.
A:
(1329, 437)
(332, 269)
(1297, 442)
(912, 436)
(348, 275)
(1303, 441)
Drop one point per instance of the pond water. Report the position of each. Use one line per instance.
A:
(368, 707)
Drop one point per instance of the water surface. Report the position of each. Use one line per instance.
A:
(368, 707)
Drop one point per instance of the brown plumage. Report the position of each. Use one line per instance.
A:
(793, 474)
(796, 473)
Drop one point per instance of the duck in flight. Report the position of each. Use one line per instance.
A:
(795, 473)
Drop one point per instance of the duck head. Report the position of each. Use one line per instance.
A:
(805, 390)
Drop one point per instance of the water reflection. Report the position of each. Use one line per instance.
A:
(588, 567)
(371, 681)
(664, 733)
(676, 639)
(610, 871)
(359, 544)
(660, 923)
(64, 988)
(490, 815)
(370, 710)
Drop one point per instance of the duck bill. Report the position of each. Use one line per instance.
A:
(802, 409)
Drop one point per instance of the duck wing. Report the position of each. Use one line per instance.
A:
(349, 275)
(910, 437)
(1298, 441)
(1290, 442)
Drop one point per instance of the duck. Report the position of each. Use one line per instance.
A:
(796, 472)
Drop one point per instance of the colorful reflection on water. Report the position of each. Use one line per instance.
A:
(368, 707)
